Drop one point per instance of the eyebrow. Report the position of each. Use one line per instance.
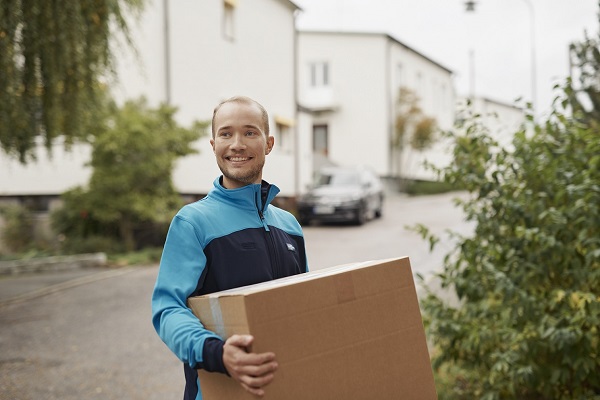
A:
(244, 126)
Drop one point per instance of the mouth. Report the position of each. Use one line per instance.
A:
(237, 158)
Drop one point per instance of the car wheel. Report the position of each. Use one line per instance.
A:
(379, 209)
(361, 216)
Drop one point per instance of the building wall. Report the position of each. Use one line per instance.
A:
(501, 119)
(206, 66)
(52, 172)
(356, 95)
(366, 73)
(433, 86)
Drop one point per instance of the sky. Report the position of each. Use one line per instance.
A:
(489, 50)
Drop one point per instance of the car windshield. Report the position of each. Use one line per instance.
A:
(339, 178)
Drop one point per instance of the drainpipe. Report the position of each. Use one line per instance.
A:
(390, 102)
(167, 48)
(296, 112)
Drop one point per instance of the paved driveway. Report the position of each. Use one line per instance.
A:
(89, 336)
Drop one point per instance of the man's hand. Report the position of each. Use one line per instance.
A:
(253, 371)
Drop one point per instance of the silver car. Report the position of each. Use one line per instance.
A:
(342, 194)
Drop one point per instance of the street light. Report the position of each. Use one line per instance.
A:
(470, 5)
(533, 63)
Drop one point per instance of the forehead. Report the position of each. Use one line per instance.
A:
(237, 113)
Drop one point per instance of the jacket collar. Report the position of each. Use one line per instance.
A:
(257, 195)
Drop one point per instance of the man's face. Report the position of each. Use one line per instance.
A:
(240, 144)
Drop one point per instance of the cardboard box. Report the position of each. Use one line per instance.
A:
(346, 332)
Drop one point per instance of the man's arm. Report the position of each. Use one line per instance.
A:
(181, 266)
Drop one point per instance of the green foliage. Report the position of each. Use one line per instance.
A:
(53, 56)
(147, 256)
(92, 244)
(527, 325)
(528, 322)
(419, 188)
(131, 183)
(17, 232)
(412, 126)
(583, 90)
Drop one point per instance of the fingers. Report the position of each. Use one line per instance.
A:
(255, 391)
(255, 384)
(242, 341)
(253, 371)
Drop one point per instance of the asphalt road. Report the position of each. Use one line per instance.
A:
(88, 335)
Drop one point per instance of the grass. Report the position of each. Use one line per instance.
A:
(420, 188)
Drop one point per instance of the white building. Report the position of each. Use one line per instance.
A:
(501, 119)
(349, 84)
(330, 95)
(194, 54)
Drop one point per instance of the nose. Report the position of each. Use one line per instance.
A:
(238, 142)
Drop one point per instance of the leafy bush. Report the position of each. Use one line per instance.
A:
(147, 256)
(416, 188)
(528, 322)
(17, 233)
(92, 244)
(130, 196)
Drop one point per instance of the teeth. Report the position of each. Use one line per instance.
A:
(238, 158)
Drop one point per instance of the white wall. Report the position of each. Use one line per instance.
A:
(52, 173)
(206, 67)
(501, 119)
(434, 87)
(357, 81)
(365, 80)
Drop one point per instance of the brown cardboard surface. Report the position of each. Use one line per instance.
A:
(346, 332)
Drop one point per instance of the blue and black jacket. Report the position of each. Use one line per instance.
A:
(229, 239)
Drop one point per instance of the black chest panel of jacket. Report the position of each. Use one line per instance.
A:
(250, 256)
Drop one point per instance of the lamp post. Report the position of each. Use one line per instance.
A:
(533, 56)
(470, 7)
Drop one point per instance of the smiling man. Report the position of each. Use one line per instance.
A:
(233, 237)
(241, 141)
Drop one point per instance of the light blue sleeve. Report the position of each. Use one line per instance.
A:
(182, 263)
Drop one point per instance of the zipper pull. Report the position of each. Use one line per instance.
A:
(262, 219)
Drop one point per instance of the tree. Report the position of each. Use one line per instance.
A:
(413, 129)
(53, 58)
(132, 164)
(527, 322)
(583, 90)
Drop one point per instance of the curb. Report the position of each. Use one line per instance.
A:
(56, 263)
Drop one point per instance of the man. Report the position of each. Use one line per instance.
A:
(231, 238)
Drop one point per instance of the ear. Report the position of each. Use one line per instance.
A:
(212, 143)
(270, 144)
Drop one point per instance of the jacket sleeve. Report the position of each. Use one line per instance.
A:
(181, 266)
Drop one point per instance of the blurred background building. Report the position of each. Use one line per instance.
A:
(333, 97)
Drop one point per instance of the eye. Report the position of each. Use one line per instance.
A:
(224, 134)
(250, 133)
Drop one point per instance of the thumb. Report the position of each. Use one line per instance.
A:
(243, 341)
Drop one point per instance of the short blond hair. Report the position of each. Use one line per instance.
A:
(243, 100)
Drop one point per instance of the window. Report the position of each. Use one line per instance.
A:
(229, 19)
(283, 134)
(319, 74)
(320, 139)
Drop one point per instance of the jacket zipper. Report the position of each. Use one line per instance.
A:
(269, 238)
